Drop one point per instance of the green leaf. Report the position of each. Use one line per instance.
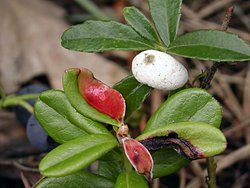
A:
(187, 105)
(140, 23)
(131, 180)
(76, 154)
(211, 45)
(166, 16)
(110, 169)
(167, 161)
(133, 92)
(72, 92)
(204, 138)
(51, 116)
(77, 180)
(98, 36)
(111, 165)
(60, 119)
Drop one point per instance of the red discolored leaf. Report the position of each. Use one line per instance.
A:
(102, 97)
(139, 157)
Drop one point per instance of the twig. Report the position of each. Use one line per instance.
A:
(213, 7)
(237, 128)
(13, 100)
(93, 9)
(227, 18)
(246, 104)
(237, 155)
(196, 168)
(211, 168)
(209, 74)
(25, 181)
(18, 165)
(156, 183)
(183, 178)
(243, 18)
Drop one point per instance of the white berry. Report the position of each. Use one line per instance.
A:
(159, 70)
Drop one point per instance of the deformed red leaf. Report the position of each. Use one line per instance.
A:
(102, 97)
(139, 157)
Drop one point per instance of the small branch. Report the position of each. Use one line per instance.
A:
(13, 100)
(209, 73)
(25, 181)
(211, 171)
(27, 106)
(93, 9)
(225, 162)
(205, 83)
(227, 18)
(18, 165)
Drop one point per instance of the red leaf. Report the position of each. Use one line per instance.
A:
(100, 96)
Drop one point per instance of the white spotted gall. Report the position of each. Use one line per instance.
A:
(159, 70)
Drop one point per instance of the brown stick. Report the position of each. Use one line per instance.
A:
(228, 160)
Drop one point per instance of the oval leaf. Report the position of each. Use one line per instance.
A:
(111, 165)
(98, 36)
(100, 96)
(72, 92)
(53, 121)
(130, 180)
(196, 138)
(76, 154)
(139, 157)
(167, 161)
(57, 101)
(133, 92)
(166, 16)
(110, 169)
(77, 180)
(187, 105)
(140, 23)
(211, 45)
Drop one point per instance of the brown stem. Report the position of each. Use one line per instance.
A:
(209, 73)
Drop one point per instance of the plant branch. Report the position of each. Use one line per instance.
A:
(13, 100)
(209, 73)
(93, 9)
(211, 172)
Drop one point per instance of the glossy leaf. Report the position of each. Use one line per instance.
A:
(111, 165)
(77, 101)
(76, 180)
(76, 154)
(133, 92)
(100, 96)
(110, 169)
(51, 116)
(140, 23)
(98, 36)
(187, 105)
(130, 180)
(166, 15)
(167, 161)
(56, 101)
(198, 136)
(211, 45)
(139, 157)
